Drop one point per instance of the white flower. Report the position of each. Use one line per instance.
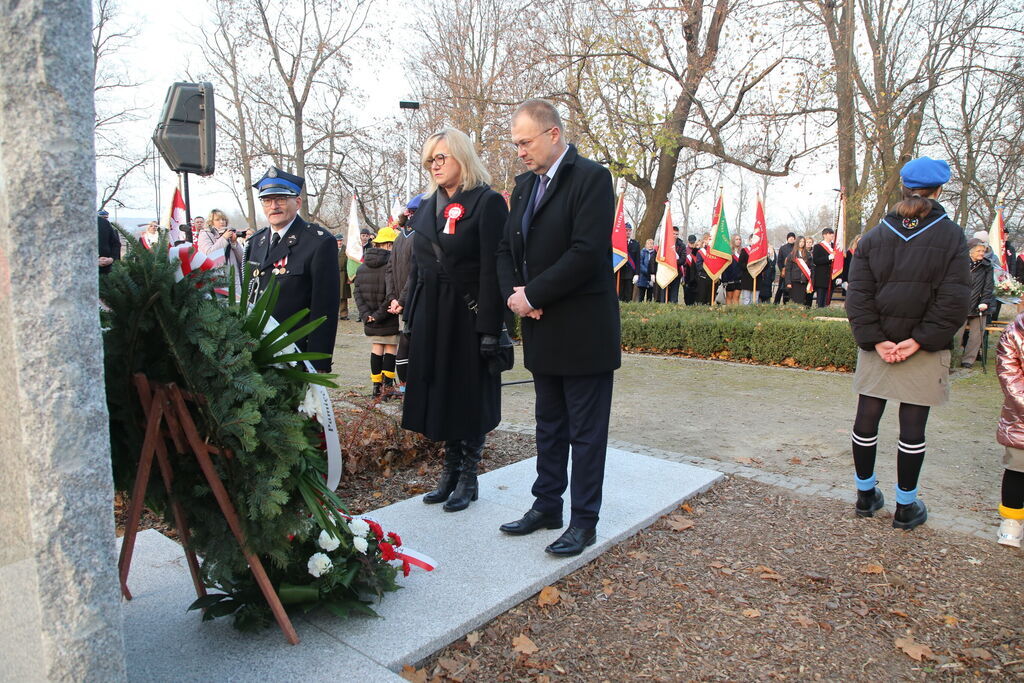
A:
(310, 404)
(360, 544)
(327, 542)
(359, 527)
(319, 564)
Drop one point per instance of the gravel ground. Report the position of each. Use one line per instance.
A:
(746, 582)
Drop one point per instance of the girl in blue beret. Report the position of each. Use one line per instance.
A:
(909, 292)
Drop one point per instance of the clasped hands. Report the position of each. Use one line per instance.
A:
(891, 352)
(518, 304)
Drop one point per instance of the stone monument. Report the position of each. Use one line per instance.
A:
(60, 616)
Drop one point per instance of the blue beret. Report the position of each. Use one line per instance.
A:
(103, 213)
(277, 183)
(414, 203)
(924, 172)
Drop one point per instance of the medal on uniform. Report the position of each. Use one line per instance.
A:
(453, 212)
(279, 266)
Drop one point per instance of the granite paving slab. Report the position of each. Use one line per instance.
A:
(481, 573)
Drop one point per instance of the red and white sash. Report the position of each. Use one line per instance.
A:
(806, 270)
(829, 247)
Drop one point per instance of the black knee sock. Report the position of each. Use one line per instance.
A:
(388, 368)
(401, 368)
(865, 439)
(864, 449)
(910, 451)
(376, 364)
(1013, 489)
(909, 459)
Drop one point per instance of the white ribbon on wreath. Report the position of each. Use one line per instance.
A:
(317, 403)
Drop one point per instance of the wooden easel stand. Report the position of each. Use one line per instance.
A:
(168, 416)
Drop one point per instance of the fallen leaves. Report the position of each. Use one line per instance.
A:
(872, 569)
(473, 638)
(804, 620)
(523, 645)
(413, 674)
(751, 613)
(677, 523)
(549, 595)
(978, 653)
(913, 649)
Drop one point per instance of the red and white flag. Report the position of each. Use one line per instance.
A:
(840, 245)
(997, 235)
(757, 252)
(176, 217)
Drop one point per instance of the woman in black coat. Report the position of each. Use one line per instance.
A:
(982, 299)
(452, 395)
(909, 294)
(797, 278)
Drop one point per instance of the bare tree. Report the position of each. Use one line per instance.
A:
(307, 43)
(116, 157)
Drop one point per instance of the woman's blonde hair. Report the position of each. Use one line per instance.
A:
(460, 147)
(217, 213)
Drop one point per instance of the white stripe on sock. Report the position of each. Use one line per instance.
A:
(911, 448)
(864, 441)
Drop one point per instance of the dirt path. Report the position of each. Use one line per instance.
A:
(780, 420)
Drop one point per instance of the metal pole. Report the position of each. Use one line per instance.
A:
(408, 157)
(188, 209)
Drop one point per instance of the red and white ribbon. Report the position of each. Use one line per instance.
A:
(406, 557)
(453, 212)
(192, 261)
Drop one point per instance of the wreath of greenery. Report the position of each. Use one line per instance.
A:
(216, 348)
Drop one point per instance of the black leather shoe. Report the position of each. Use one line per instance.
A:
(532, 521)
(572, 542)
(869, 502)
(909, 516)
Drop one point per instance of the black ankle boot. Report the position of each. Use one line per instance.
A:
(449, 475)
(376, 390)
(466, 490)
(869, 502)
(909, 516)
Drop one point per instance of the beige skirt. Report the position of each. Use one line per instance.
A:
(389, 340)
(922, 379)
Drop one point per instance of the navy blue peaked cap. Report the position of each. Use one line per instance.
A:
(276, 182)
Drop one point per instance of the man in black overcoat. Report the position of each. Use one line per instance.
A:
(553, 272)
(822, 256)
(303, 257)
(781, 294)
(109, 243)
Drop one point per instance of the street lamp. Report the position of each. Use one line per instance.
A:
(410, 107)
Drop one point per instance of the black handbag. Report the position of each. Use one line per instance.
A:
(505, 358)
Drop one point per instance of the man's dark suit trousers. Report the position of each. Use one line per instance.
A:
(572, 410)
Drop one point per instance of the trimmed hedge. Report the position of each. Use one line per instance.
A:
(760, 333)
(763, 333)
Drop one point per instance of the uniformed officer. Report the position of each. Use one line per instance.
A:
(303, 257)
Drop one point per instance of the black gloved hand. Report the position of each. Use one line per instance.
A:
(488, 345)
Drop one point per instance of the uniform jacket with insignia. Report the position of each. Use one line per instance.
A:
(309, 278)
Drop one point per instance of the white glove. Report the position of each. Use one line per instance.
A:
(636, 278)
(831, 257)
(839, 280)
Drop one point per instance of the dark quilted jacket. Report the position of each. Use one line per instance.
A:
(371, 294)
(918, 287)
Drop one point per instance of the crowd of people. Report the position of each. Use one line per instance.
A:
(436, 287)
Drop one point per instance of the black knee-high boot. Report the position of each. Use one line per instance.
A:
(449, 474)
(467, 489)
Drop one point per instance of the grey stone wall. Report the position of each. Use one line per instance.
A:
(60, 616)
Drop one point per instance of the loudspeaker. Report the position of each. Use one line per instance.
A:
(187, 132)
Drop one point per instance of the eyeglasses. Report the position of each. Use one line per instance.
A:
(438, 159)
(523, 144)
(269, 201)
